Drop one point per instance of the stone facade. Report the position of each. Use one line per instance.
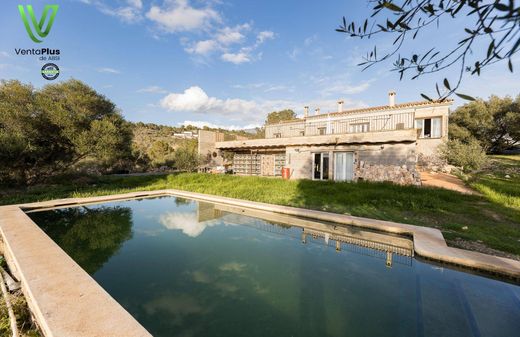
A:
(402, 175)
(384, 143)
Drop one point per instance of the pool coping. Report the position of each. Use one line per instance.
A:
(66, 301)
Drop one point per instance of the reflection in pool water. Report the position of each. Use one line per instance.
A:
(184, 268)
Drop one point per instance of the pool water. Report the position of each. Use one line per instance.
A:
(188, 268)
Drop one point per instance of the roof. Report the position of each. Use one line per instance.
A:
(377, 137)
(373, 109)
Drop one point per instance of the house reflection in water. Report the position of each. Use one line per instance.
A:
(391, 248)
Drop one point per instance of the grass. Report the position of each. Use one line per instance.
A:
(491, 220)
(499, 181)
(26, 326)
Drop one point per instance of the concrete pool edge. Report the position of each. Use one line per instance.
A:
(67, 301)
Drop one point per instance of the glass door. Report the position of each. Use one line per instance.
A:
(320, 166)
(343, 166)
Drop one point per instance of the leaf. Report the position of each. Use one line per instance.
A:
(491, 48)
(466, 97)
(501, 7)
(447, 84)
(426, 98)
(393, 7)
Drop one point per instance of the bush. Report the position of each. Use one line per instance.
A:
(186, 157)
(469, 156)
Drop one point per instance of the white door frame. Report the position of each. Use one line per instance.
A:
(322, 155)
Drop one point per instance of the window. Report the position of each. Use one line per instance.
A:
(322, 131)
(359, 127)
(278, 135)
(429, 127)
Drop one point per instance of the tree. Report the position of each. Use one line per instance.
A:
(186, 157)
(495, 123)
(497, 26)
(48, 131)
(279, 116)
(160, 153)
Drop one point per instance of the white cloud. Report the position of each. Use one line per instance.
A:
(196, 100)
(236, 58)
(264, 35)
(245, 54)
(204, 47)
(237, 110)
(108, 70)
(178, 15)
(135, 3)
(231, 35)
(154, 89)
(225, 38)
(131, 13)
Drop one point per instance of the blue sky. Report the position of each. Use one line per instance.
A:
(224, 62)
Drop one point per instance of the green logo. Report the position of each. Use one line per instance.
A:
(38, 25)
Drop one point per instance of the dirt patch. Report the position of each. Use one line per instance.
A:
(444, 180)
(481, 248)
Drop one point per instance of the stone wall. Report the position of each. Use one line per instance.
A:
(402, 175)
(433, 163)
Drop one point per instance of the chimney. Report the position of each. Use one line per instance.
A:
(306, 111)
(340, 105)
(391, 98)
(317, 111)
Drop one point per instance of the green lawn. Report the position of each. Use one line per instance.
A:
(500, 181)
(491, 220)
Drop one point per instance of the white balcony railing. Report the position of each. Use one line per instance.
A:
(345, 125)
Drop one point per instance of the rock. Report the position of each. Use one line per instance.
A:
(465, 228)
(507, 176)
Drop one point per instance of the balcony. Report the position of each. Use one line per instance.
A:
(341, 125)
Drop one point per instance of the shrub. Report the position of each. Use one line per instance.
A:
(469, 156)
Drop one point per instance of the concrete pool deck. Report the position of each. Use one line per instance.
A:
(66, 301)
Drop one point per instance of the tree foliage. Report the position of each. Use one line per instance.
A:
(494, 123)
(160, 153)
(45, 132)
(186, 157)
(280, 116)
(467, 155)
(496, 25)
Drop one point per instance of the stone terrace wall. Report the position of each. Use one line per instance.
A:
(402, 175)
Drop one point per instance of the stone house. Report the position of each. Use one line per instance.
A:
(382, 143)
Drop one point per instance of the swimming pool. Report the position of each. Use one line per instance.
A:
(189, 268)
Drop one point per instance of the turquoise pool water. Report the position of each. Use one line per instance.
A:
(187, 268)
